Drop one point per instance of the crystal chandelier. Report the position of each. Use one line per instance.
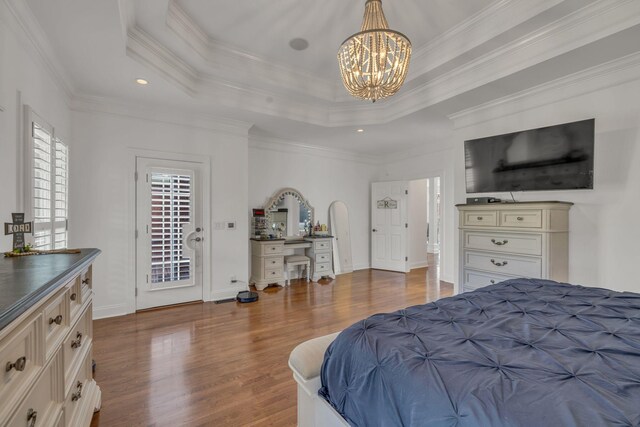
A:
(374, 62)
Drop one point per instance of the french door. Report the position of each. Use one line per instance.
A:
(169, 232)
(389, 225)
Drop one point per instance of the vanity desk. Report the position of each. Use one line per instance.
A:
(287, 219)
(267, 258)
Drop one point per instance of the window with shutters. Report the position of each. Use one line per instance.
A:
(47, 186)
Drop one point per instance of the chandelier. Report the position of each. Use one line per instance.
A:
(374, 62)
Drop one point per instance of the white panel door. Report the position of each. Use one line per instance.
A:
(169, 232)
(389, 222)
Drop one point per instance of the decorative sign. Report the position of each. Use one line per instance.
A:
(18, 227)
(387, 203)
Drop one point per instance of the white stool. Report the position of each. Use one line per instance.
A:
(295, 261)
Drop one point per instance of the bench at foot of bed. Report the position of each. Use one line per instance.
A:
(305, 361)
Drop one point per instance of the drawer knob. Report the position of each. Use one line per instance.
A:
(18, 365)
(520, 218)
(57, 320)
(85, 281)
(73, 296)
(479, 218)
(504, 242)
(78, 394)
(77, 343)
(32, 416)
(498, 264)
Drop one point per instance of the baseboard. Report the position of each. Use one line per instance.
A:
(217, 295)
(110, 311)
(418, 264)
(357, 267)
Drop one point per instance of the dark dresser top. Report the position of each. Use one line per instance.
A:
(26, 280)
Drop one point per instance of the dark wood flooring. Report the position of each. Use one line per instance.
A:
(226, 364)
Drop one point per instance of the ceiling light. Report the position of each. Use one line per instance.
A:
(142, 82)
(360, 130)
(374, 62)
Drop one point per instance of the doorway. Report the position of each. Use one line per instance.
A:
(170, 233)
(425, 224)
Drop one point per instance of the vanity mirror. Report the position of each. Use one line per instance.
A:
(288, 214)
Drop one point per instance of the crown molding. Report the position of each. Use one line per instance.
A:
(286, 146)
(97, 104)
(25, 23)
(229, 62)
(609, 74)
(495, 19)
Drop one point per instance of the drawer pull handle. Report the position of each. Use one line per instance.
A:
(504, 242)
(18, 365)
(78, 394)
(32, 416)
(520, 218)
(498, 264)
(85, 281)
(73, 296)
(479, 218)
(57, 320)
(77, 343)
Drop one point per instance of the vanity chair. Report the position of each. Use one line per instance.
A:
(292, 262)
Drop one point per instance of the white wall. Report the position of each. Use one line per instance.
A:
(418, 223)
(23, 80)
(322, 178)
(604, 230)
(426, 165)
(102, 188)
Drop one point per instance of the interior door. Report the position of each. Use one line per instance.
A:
(169, 232)
(389, 225)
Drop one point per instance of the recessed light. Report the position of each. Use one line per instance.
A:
(360, 130)
(142, 82)
(298, 44)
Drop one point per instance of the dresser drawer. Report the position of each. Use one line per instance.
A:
(481, 218)
(86, 282)
(322, 246)
(273, 273)
(41, 406)
(473, 279)
(326, 257)
(79, 392)
(273, 262)
(76, 344)
(267, 249)
(56, 320)
(525, 244)
(522, 219)
(19, 363)
(74, 292)
(322, 267)
(504, 264)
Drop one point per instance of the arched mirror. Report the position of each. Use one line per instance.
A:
(288, 214)
(340, 229)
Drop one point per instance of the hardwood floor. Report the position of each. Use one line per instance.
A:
(226, 364)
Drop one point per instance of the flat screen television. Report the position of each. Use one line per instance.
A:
(556, 157)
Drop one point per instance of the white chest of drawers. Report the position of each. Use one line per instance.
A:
(321, 255)
(509, 240)
(267, 263)
(46, 342)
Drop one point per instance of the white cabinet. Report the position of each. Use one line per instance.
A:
(46, 358)
(321, 254)
(267, 263)
(507, 240)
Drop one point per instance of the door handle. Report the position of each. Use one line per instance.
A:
(197, 239)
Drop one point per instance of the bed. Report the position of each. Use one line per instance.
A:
(522, 352)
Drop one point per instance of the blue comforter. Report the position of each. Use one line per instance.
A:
(518, 353)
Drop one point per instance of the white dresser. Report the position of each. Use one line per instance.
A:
(267, 263)
(46, 341)
(501, 241)
(321, 254)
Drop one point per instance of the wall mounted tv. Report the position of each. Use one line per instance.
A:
(550, 158)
